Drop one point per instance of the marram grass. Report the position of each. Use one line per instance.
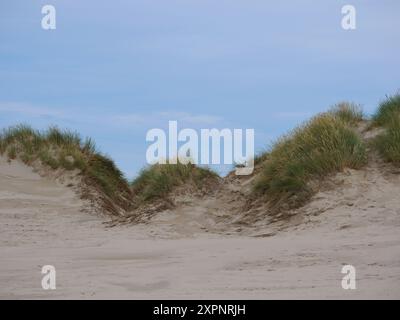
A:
(387, 110)
(348, 112)
(61, 149)
(157, 181)
(324, 145)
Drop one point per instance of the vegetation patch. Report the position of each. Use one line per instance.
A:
(324, 145)
(388, 117)
(160, 180)
(387, 110)
(348, 112)
(61, 149)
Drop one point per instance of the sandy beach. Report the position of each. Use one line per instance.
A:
(41, 223)
(199, 150)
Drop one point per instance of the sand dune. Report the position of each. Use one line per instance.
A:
(184, 255)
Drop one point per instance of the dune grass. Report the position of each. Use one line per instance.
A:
(348, 112)
(62, 149)
(157, 181)
(388, 143)
(388, 117)
(324, 145)
(387, 110)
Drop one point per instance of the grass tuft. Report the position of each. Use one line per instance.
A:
(157, 181)
(388, 116)
(348, 112)
(388, 142)
(387, 110)
(324, 145)
(62, 149)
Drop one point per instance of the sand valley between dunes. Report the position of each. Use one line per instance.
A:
(176, 255)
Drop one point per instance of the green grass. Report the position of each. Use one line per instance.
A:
(388, 143)
(157, 181)
(388, 117)
(289, 170)
(348, 112)
(65, 150)
(62, 149)
(387, 109)
(324, 145)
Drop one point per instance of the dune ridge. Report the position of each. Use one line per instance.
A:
(191, 253)
(200, 236)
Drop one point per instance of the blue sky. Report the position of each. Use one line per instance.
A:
(113, 70)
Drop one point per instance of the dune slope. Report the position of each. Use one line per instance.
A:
(190, 253)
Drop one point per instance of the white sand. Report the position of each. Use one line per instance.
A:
(41, 223)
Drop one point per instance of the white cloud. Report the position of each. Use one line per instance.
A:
(196, 119)
(27, 109)
(78, 115)
(127, 119)
(292, 114)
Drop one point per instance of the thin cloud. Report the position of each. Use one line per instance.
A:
(292, 115)
(27, 109)
(122, 119)
(197, 119)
